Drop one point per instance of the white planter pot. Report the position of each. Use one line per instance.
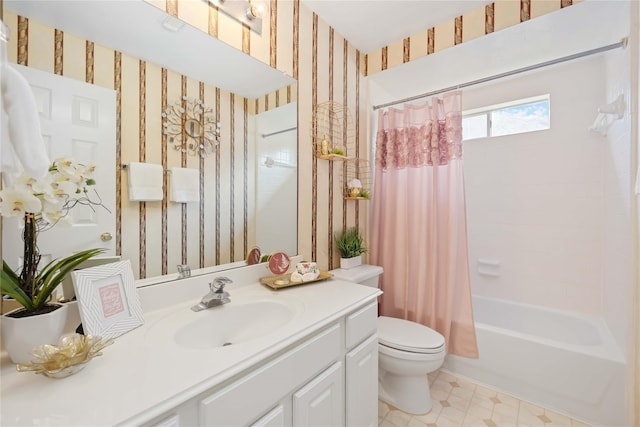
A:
(347, 263)
(20, 336)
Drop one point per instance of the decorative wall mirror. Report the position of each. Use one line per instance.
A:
(191, 127)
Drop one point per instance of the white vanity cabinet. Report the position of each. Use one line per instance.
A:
(361, 367)
(328, 379)
(299, 356)
(255, 394)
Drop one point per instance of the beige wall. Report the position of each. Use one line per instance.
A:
(295, 41)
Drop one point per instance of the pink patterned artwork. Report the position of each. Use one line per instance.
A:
(111, 300)
(253, 257)
(279, 263)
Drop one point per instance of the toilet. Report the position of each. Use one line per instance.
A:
(407, 352)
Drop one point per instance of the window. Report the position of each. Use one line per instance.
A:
(524, 115)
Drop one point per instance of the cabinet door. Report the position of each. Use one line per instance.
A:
(275, 418)
(257, 392)
(321, 401)
(171, 421)
(362, 384)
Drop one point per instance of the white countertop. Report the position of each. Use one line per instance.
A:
(145, 373)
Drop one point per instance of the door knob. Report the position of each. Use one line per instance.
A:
(106, 236)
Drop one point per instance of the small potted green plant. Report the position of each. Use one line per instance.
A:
(351, 246)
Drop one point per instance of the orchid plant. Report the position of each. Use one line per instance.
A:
(43, 203)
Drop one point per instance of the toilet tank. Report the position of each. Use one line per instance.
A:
(364, 274)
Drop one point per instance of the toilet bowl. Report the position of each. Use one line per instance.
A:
(407, 352)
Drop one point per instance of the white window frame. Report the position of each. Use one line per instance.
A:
(486, 111)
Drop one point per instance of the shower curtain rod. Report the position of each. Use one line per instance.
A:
(621, 43)
(267, 135)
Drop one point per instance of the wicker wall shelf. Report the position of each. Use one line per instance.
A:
(356, 183)
(334, 157)
(332, 131)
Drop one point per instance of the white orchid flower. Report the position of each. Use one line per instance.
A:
(53, 216)
(36, 186)
(66, 165)
(88, 170)
(64, 189)
(67, 177)
(17, 202)
(53, 204)
(52, 196)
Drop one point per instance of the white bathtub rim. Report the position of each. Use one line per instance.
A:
(608, 349)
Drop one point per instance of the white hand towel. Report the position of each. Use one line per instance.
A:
(145, 182)
(21, 141)
(185, 185)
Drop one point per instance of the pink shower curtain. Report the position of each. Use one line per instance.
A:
(419, 228)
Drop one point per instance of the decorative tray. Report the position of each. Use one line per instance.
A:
(284, 281)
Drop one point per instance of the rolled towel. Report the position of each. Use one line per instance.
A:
(306, 267)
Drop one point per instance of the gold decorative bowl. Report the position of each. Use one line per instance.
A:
(71, 355)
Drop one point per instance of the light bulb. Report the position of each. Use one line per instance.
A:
(254, 12)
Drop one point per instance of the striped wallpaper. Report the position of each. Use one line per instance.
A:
(479, 22)
(156, 236)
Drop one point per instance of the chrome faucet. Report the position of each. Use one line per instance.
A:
(184, 271)
(216, 296)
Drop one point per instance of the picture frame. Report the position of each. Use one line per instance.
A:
(107, 299)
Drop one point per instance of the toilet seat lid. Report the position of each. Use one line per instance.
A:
(408, 336)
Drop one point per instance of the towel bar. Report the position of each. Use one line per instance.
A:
(125, 167)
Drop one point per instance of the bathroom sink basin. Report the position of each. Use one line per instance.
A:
(233, 323)
(225, 325)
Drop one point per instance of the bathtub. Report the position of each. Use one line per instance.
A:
(564, 361)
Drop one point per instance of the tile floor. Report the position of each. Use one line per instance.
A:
(460, 403)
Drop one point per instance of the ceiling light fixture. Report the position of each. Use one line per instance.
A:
(249, 14)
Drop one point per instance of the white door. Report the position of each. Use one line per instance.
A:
(362, 384)
(77, 120)
(321, 402)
